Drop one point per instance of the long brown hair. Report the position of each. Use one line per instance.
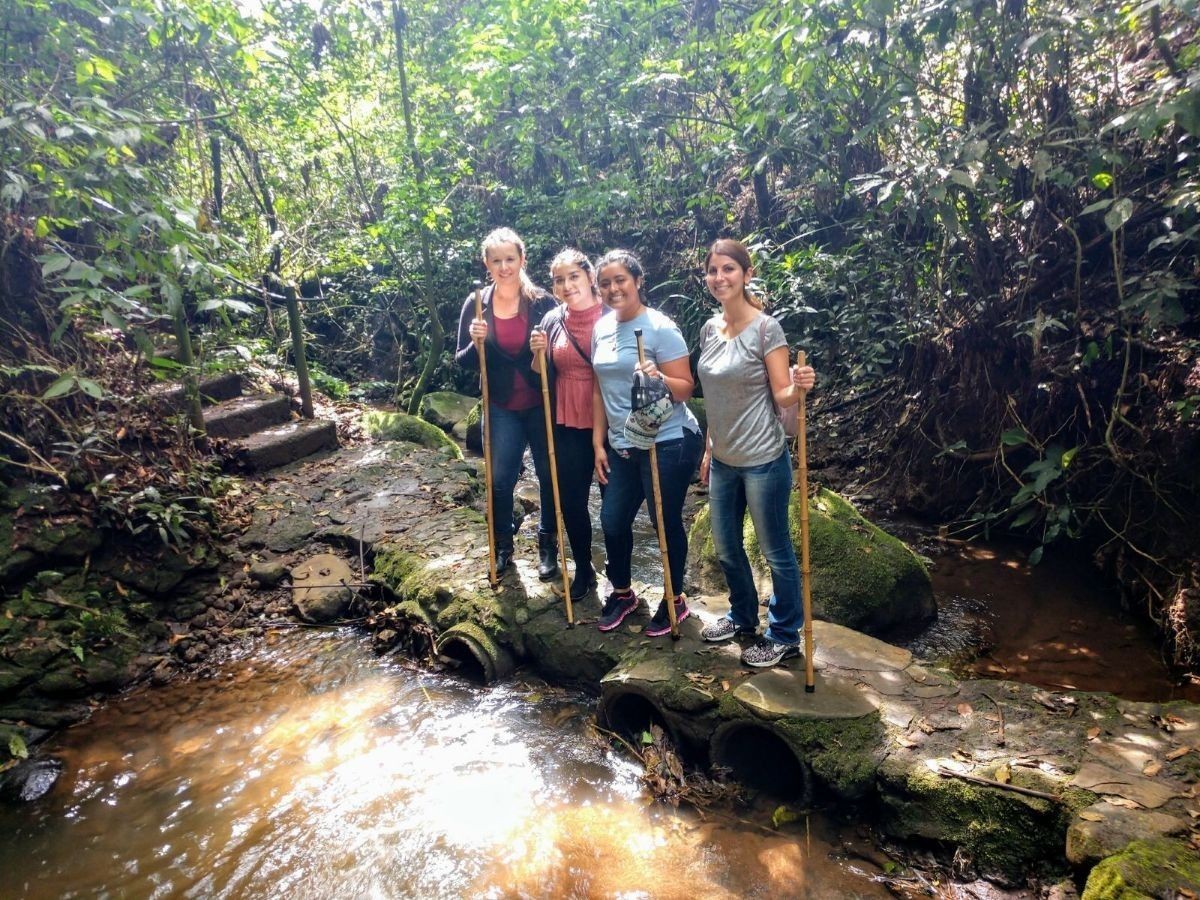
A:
(736, 251)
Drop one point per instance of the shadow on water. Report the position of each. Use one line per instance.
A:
(310, 768)
(1058, 625)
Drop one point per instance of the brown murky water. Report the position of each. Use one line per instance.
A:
(310, 768)
(1056, 625)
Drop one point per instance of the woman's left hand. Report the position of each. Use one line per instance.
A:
(649, 369)
(804, 377)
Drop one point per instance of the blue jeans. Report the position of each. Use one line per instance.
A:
(766, 491)
(629, 484)
(511, 432)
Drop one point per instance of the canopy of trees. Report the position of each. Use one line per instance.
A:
(979, 214)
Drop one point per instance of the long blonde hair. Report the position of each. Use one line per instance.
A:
(498, 236)
(736, 251)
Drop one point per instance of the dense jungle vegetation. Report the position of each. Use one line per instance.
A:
(980, 218)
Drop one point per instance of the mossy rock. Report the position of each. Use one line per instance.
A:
(1146, 869)
(474, 425)
(397, 426)
(862, 577)
(445, 409)
(1003, 832)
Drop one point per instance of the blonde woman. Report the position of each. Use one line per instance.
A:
(512, 306)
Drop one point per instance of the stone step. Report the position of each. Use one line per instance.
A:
(245, 415)
(282, 444)
(212, 390)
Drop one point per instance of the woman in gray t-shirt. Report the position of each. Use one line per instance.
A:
(744, 370)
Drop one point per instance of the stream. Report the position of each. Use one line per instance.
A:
(309, 767)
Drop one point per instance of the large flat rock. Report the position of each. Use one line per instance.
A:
(778, 693)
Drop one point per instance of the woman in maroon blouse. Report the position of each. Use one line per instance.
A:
(567, 331)
(512, 306)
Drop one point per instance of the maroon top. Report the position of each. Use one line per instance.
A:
(511, 335)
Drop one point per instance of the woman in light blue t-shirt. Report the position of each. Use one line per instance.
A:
(622, 455)
(743, 367)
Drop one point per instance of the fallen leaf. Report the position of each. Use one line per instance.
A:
(1125, 802)
(962, 756)
(1152, 768)
(1004, 774)
(725, 686)
(1093, 733)
(1178, 753)
(964, 709)
(1090, 815)
(905, 741)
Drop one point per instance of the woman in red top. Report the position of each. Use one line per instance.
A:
(567, 331)
(512, 306)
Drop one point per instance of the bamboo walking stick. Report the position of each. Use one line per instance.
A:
(802, 464)
(493, 580)
(558, 518)
(658, 518)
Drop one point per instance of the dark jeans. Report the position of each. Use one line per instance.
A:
(765, 490)
(629, 484)
(576, 466)
(511, 432)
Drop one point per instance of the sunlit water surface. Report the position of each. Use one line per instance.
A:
(310, 768)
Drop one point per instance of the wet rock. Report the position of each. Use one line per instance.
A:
(386, 426)
(446, 409)
(473, 432)
(1104, 829)
(1151, 868)
(268, 573)
(100, 672)
(48, 714)
(862, 577)
(322, 587)
(62, 683)
(30, 779)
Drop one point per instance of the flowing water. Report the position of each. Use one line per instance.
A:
(310, 768)
(307, 767)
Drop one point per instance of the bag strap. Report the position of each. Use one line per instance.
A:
(562, 322)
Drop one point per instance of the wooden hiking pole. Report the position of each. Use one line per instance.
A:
(558, 520)
(493, 580)
(658, 517)
(802, 465)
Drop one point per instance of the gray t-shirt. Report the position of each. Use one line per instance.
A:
(743, 427)
(614, 354)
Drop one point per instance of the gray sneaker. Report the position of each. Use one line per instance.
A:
(765, 653)
(722, 630)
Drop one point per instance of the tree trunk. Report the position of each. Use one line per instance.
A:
(437, 334)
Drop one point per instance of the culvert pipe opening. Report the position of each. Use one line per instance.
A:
(630, 714)
(760, 759)
(471, 659)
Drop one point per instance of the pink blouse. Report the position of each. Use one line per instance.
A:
(573, 384)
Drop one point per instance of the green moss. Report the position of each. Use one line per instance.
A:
(862, 577)
(445, 409)
(1003, 831)
(843, 754)
(389, 426)
(1145, 869)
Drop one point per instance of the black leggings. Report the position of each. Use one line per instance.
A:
(576, 464)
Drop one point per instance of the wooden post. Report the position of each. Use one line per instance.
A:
(558, 517)
(668, 586)
(487, 444)
(802, 464)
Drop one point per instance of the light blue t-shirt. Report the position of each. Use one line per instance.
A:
(614, 355)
